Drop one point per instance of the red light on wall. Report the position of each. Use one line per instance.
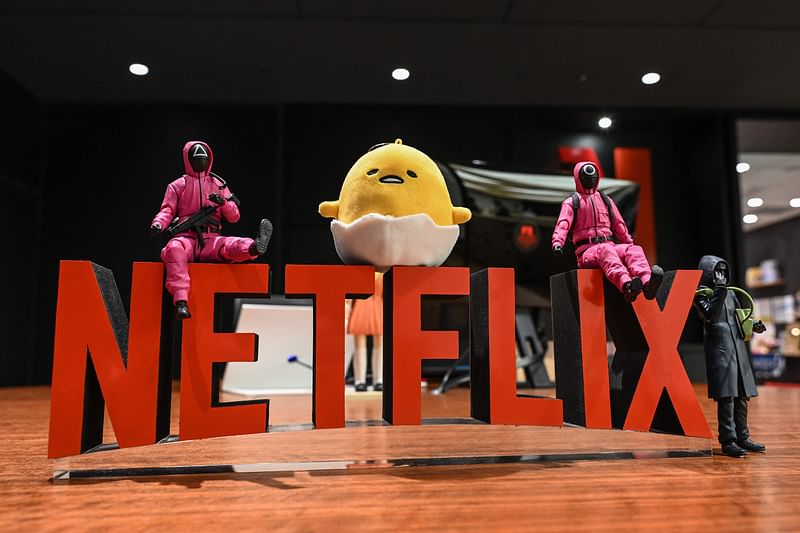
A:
(526, 237)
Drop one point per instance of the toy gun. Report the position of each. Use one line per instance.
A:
(199, 219)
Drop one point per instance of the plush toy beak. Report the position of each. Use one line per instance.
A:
(461, 215)
(329, 209)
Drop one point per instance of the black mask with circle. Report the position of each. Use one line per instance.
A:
(589, 176)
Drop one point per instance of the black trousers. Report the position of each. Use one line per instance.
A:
(732, 418)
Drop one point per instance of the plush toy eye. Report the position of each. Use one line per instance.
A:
(372, 171)
(411, 173)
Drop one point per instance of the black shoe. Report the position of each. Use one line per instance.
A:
(378, 387)
(631, 290)
(182, 310)
(361, 387)
(651, 287)
(731, 449)
(751, 446)
(259, 246)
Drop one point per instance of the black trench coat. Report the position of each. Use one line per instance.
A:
(727, 358)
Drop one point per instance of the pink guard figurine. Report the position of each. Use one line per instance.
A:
(601, 237)
(192, 212)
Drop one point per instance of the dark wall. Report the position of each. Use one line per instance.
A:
(21, 142)
(106, 169)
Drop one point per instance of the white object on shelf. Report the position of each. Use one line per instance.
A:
(783, 309)
(769, 271)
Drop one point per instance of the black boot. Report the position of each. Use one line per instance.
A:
(631, 290)
(182, 310)
(656, 277)
(751, 446)
(361, 387)
(731, 449)
(259, 246)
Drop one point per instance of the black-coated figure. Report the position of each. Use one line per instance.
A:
(730, 376)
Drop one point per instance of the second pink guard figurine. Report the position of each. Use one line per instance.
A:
(601, 237)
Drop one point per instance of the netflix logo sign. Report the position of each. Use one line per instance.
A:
(103, 360)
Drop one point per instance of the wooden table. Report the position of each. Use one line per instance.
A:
(759, 492)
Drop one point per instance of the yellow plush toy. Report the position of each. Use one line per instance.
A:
(394, 209)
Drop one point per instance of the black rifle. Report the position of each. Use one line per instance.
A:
(196, 221)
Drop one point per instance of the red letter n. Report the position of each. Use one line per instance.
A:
(97, 361)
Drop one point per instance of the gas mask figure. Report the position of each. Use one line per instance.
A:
(595, 223)
(730, 376)
(191, 214)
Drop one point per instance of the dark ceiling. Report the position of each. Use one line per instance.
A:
(732, 54)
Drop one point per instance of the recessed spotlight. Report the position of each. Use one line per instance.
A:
(755, 202)
(796, 332)
(742, 167)
(401, 74)
(139, 69)
(750, 219)
(604, 122)
(794, 202)
(651, 78)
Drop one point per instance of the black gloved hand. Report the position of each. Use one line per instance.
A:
(558, 250)
(759, 327)
(155, 229)
(216, 198)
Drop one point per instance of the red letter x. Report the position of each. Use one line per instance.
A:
(663, 368)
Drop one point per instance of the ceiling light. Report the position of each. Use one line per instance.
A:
(755, 202)
(138, 69)
(604, 122)
(750, 219)
(796, 332)
(401, 74)
(651, 78)
(742, 167)
(479, 162)
(794, 202)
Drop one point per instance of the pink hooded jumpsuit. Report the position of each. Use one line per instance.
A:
(592, 234)
(184, 197)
